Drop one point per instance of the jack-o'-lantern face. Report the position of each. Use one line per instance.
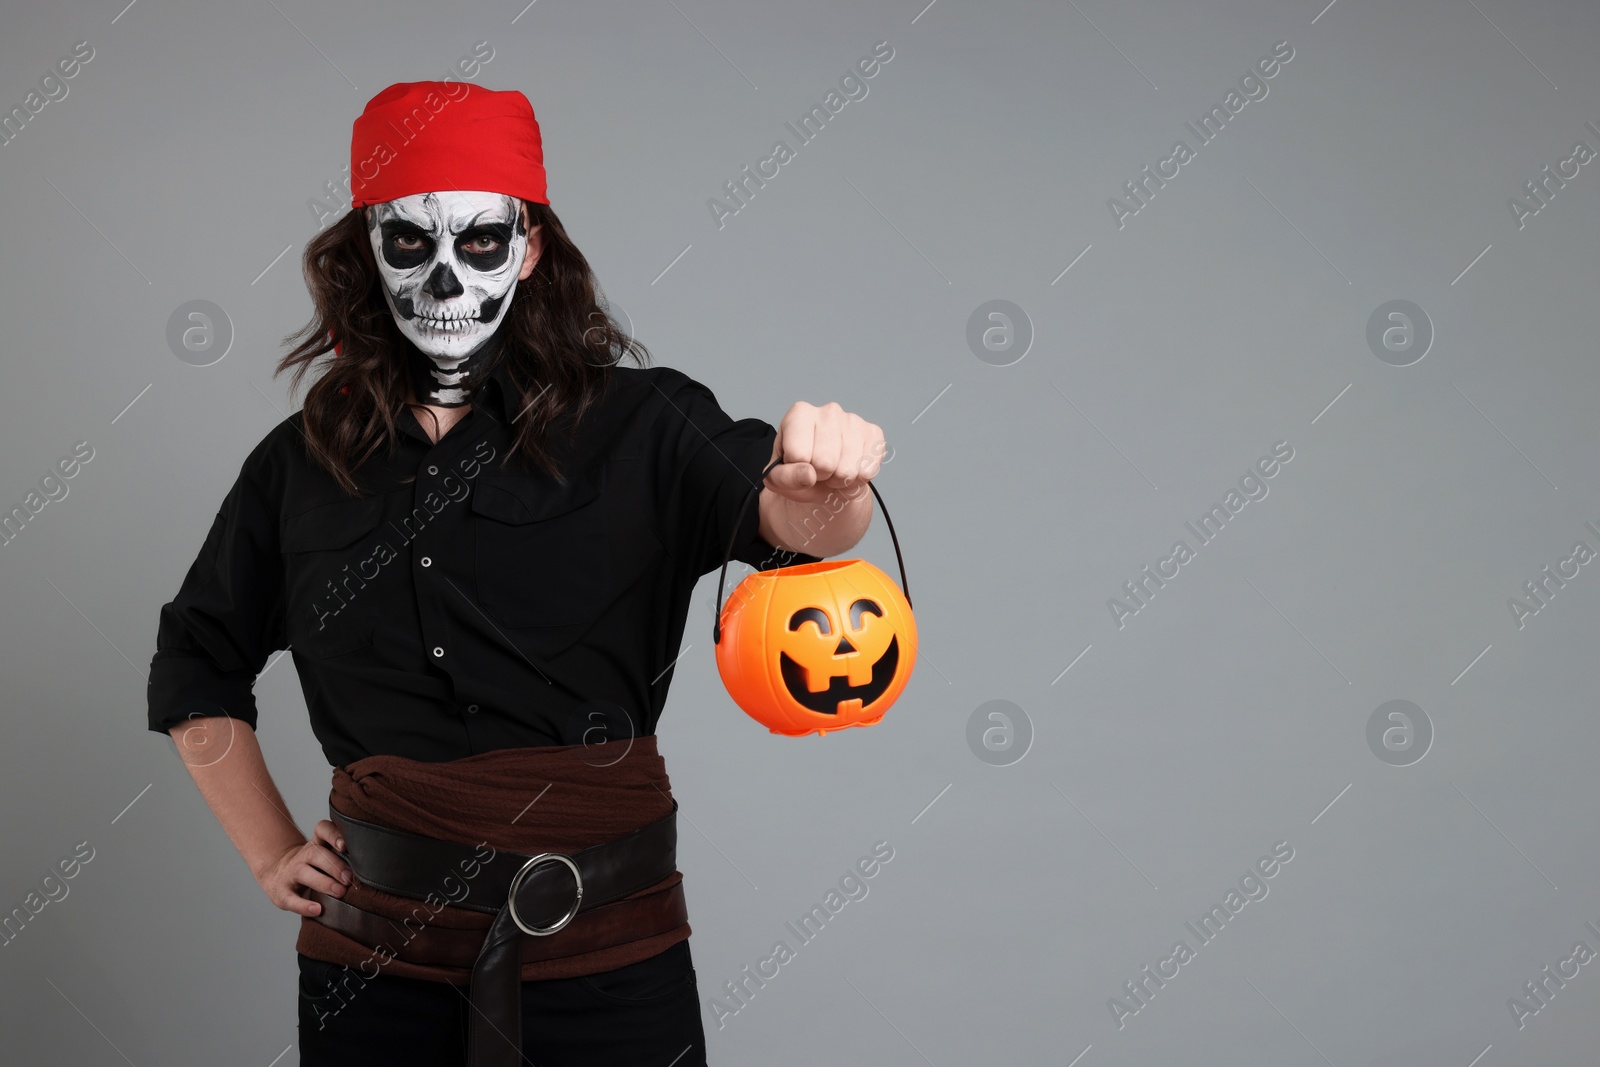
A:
(817, 646)
(829, 660)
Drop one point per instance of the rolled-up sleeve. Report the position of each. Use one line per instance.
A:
(713, 465)
(214, 637)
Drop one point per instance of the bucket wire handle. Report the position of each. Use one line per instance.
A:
(755, 491)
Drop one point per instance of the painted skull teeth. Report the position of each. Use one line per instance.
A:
(455, 324)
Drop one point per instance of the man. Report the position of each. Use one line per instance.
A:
(479, 537)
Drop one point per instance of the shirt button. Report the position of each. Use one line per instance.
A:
(433, 470)
(438, 652)
(472, 709)
(427, 561)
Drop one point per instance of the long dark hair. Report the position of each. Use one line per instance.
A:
(559, 345)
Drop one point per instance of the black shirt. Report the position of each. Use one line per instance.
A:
(458, 607)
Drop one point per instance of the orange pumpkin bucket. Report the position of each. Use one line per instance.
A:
(817, 646)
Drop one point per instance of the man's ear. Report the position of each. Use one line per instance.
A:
(535, 247)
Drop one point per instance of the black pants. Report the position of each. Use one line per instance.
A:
(645, 1014)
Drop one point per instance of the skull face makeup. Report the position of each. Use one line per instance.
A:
(449, 263)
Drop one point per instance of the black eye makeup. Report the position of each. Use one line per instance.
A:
(405, 246)
(485, 246)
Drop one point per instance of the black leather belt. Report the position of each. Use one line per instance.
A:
(528, 895)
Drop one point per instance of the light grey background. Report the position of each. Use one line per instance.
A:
(1228, 314)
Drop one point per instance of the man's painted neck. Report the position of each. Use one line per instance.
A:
(450, 386)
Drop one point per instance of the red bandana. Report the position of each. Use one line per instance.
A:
(424, 137)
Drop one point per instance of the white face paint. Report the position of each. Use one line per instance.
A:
(449, 263)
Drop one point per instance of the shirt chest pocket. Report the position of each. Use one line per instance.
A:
(543, 551)
(328, 576)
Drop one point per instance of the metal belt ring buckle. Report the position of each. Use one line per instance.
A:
(521, 875)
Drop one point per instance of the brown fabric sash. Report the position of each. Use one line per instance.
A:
(540, 799)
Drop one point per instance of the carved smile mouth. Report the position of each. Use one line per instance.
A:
(839, 688)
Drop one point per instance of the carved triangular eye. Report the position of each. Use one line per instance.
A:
(861, 606)
(816, 615)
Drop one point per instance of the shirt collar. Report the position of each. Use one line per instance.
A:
(498, 392)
